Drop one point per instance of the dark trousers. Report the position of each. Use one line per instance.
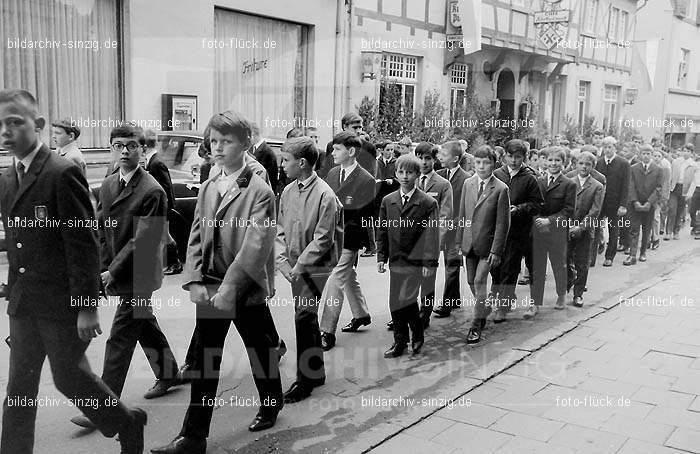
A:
(257, 330)
(307, 296)
(451, 296)
(504, 278)
(427, 292)
(614, 232)
(676, 210)
(134, 323)
(579, 259)
(32, 340)
(552, 244)
(643, 220)
(528, 256)
(403, 304)
(693, 208)
(477, 278)
(595, 242)
(623, 235)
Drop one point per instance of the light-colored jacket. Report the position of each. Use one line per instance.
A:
(233, 240)
(309, 227)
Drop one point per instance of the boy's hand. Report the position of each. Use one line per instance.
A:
(88, 325)
(198, 294)
(494, 260)
(381, 267)
(621, 211)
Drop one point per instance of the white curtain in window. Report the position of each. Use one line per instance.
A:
(56, 50)
(260, 81)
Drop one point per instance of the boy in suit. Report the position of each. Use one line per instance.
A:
(262, 153)
(646, 180)
(386, 173)
(525, 202)
(482, 230)
(350, 122)
(440, 189)
(354, 186)
(408, 239)
(230, 275)
(589, 200)
(131, 212)
(617, 174)
(449, 155)
(53, 285)
(681, 176)
(550, 230)
(158, 170)
(65, 136)
(309, 241)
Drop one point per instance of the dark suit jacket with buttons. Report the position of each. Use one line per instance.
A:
(413, 243)
(385, 172)
(483, 222)
(265, 156)
(617, 175)
(589, 201)
(559, 204)
(356, 194)
(132, 226)
(160, 172)
(645, 187)
(50, 267)
(457, 183)
(525, 196)
(441, 190)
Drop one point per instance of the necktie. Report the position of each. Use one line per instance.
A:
(20, 172)
(423, 181)
(342, 175)
(301, 186)
(481, 190)
(122, 184)
(405, 200)
(551, 181)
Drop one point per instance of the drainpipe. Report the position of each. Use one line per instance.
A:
(341, 75)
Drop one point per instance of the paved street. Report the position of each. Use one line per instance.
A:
(517, 383)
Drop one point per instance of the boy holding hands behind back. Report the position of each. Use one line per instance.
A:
(407, 238)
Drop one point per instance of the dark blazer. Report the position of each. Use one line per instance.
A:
(265, 156)
(160, 172)
(54, 265)
(385, 172)
(441, 190)
(525, 195)
(589, 201)
(617, 175)
(414, 243)
(559, 202)
(457, 183)
(484, 222)
(132, 228)
(645, 187)
(357, 196)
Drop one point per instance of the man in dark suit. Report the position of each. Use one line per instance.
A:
(158, 170)
(351, 122)
(354, 186)
(646, 179)
(550, 230)
(230, 275)
(484, 220)
(386, 173)
(589, 200)
(262, 152)
(53, 284)
(525, 202)
(617, 174)
(449, 155)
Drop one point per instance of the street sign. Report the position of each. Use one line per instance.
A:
(455, 20)
(552, 16)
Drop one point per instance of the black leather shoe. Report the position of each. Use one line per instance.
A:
(297, 392)
(266, 418)
(390, 326)
(441, 312)
(184, 375)
(183, 445)
(577, 302)
(327, 341)
(630, 261)
(395, 351)
(131, 435)
(175, 268)
(473, 336)
(355, 324)
(3, 290)
(642, 258)
(83, 422)
(417, 345)
(161, 388)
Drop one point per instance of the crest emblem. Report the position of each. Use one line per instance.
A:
(40, 212)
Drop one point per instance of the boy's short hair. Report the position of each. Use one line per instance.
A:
(690, 147)
(609, 140)
(590, 149)
(381, 144)
(516, 146)
(348, 139)
(295, 132)
(424, 148)
(485, 151)
(454, 148)
(302, 147)
(646, 147)
(631, 145)
(233, 123)
(68, 126)
(543, 153)
(406, 141)
(556, 151)
(150, 138)
(23, 97)
(128, 130)
(350, 117)
(598, 132)
(587, 155)
(408, 163)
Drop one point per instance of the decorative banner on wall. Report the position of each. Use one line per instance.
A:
(552, 23)
(469, 13)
